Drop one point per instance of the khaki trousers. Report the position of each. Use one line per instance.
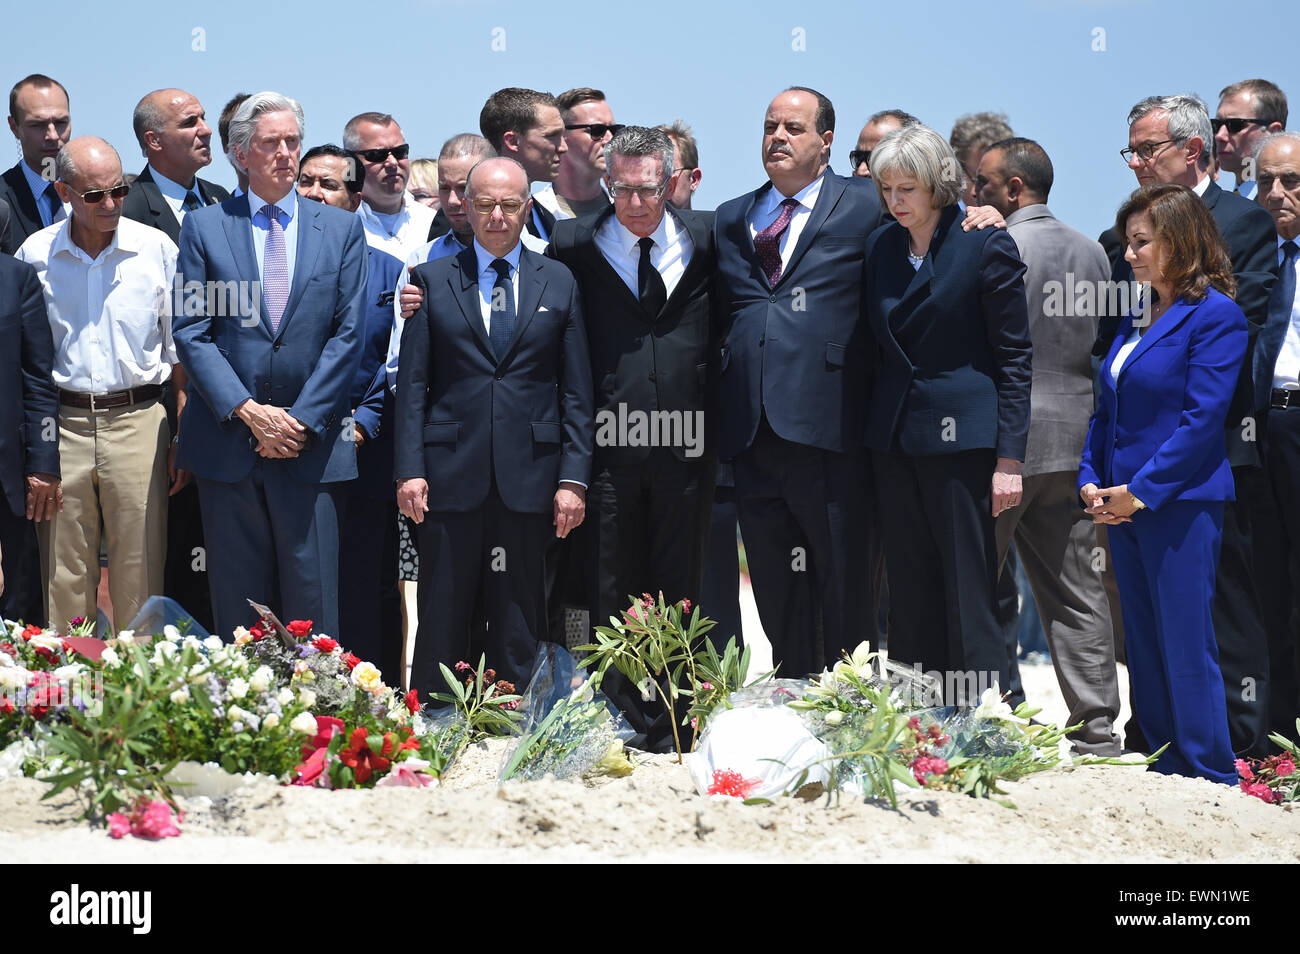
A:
(114, 467)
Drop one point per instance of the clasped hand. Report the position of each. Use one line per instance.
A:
(1108, 505)
(279, 434)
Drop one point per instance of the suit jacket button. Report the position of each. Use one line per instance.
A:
(773, 298)
(652, 375)
(276, 346)
(500, 375)
(760, 342)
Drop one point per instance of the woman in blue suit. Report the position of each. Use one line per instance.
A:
(1155, 468)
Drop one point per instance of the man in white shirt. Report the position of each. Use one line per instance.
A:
(108, 293)
(1248, 111)
(579, 188)
(39, 120)
(394, 222)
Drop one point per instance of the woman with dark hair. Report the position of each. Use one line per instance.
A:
(1155, 469)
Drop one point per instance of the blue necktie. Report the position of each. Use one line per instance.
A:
(1280, 303)
(501, 323)
(275, 268)
(52, 203)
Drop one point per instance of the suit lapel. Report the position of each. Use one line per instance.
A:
(1169, 321)
(163, 217)
(600, 265)
(309, 243)
(829, 196)
(239, 233)
(531, 286)
(26, 211)
(699, 234)
(468, 299)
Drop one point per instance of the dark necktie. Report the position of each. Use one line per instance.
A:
(1280, 304)
(501, 322)
(767, 243)
(192, 201)
(51, 196)
(650, 287)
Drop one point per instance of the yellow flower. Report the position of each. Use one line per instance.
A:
(366, 676)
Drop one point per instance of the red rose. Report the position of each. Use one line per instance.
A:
(351, 661)
(324, 643)
(31, 630)
(6, 707)
(413, 701)
(309, 771)
(299, 627)
(9, 648)
(259, 632)
(326, 728)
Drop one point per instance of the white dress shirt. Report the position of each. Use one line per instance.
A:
(765, 211)
(670, 254)
(487, 279)
(288, 206)
(174, 193)
(1286, 372)
(38, 183)
(1202, 185)
(398, 233)
(111, 315)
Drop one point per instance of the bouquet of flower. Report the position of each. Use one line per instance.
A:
(1273, 779)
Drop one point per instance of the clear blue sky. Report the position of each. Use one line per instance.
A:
(432, 63)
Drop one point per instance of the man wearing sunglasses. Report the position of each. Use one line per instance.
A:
(493, 433)
(395, 223)
(1248, 111)
(589, 124)
(108, 294)
(877, 127)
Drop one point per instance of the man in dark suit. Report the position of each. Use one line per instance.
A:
(1169, 141)
(526, 126)
(176, 140)
(5, 237)
(265, 429)
(645, 271)
(29, 438)
(1277, 394)
(793, 386)
(39, 120)
(494, 431)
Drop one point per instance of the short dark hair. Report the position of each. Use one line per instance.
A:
(1269, 96)
(572, 97)
(904, 118)
(1028, 161)
(40, 81)
(350, 130)
(681, 135)
(227, 111)
(512, 109)
(825, 121)
(355, 180)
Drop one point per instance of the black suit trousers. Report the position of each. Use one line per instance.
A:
(370, 605)
(941, 553)
(806, 517)
(24, 595)
(1277, 557)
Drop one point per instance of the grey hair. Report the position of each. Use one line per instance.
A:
(243, 125)
(1188, 118)
(641, 141)
(469, 177)
(65, 169)
(922, 153)
(467, 146)
(977, 130)
(352, 138)
(147, 118)
(1274, 137)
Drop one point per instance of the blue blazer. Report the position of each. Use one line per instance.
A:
(798, 350)
(371, 399)
(464, 420)
(953, 352)
(307, 366)
(29, 401)
(1165, 438)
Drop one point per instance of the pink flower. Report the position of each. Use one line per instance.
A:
(118, 825)
(155, 821)
(1243, 771)
(1284, 768)
(403, 776)
(706, 686)
(1259, 790)
(924, 765)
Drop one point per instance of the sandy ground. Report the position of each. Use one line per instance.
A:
(1084, 814)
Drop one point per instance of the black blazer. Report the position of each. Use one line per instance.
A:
(1248, 231)
(24, 219)
(6, 239)
(953, 354)
(799, 351)
(465, 421)
(644, 361)
(29, 401)
(145, 203)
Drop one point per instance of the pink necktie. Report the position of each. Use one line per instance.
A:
(767, 243)
(275, 268)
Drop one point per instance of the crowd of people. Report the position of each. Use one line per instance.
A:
(527, 374)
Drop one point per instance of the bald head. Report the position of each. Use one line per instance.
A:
(497, 170)
(89, 169)
(84, 157)
(503, 182)
(173, 133)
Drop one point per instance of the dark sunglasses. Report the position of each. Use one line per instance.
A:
(598, 130)
(1235, 125)
(380, 154)
(859, 156)
(96, 196)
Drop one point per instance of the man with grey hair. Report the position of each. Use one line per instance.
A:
(1169, 142)
(268, 430)
(876, 128)
(645, 270)
(394, 221)
(1277, 394)
(971, 135)
(108, 293)
(1248, 111)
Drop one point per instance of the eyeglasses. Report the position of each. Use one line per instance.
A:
(858, 157)
(96, 196)
(598, 130)
(1235, 125)
(508, 206)
(647, 193)
(379, 155)
(1146, 152)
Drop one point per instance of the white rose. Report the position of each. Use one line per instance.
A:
(271, 721)
(126, 637)
(261, 679)
(6, 660)
(307, 698)
(366, 676)
(46, 641)
(181, 696)
(171, 632)
(14, 677)
(165, 650)
(68, 672)
(304, 723)
(198, 672)
(242, 636)
(238, 688)
(110, 658)
(213, 643)
(284, 696)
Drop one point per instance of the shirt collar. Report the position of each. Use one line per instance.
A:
(173, 189)
(807, 196)
(1201, 186)
(1282, 241)
(627, 241)
(486, 258)
(288, 206)
(402, 214)
(63, 243)
(35, 180)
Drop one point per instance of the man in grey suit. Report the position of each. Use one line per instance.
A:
(1055, 539)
